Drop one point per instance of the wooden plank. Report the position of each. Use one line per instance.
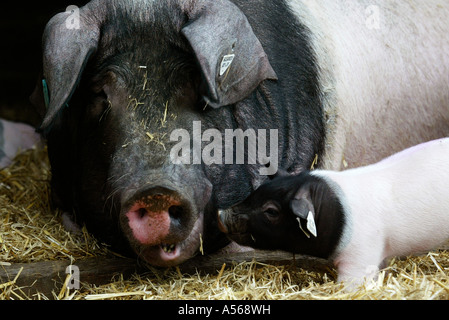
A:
(214, 262)
(48, 277)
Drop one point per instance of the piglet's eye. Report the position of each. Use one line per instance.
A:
(272, 212)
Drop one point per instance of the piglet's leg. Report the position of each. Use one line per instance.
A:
(356, 276)
(356, 272)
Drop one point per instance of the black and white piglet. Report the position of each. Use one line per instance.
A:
(356, 218)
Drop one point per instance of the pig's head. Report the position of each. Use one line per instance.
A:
(300, 214)
(116, 83)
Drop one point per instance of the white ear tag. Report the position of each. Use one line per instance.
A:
(311, 224)
(226, 63)
(300, 226)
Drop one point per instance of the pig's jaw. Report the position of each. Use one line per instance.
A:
(169, 254)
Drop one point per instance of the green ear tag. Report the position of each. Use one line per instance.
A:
(46, 94)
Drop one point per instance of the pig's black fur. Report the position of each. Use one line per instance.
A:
(279, 229)
(291, 104)
(90, 166)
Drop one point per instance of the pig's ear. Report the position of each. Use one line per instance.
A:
(67, 47)
(231, 57)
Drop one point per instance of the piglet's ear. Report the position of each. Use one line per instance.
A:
(302, 203)
(231, 57)
(303, 209)
(67, 48)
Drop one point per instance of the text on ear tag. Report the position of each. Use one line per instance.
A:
(226, 63)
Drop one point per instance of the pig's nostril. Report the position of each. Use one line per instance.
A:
(176, 212)
(142, 212)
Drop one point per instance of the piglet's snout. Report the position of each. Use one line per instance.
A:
(230, 221)
(222, 221)
(157, 217)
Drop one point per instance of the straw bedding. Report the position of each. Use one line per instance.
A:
(30, 232)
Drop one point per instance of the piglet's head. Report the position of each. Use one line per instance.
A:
(300, 214)
(274, 216)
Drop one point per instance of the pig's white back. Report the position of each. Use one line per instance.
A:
(384, 74)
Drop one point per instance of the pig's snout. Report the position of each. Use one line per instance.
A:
(159, 216)
(164, 221)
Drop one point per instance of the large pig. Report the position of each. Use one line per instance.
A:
(344, 82)
(357, 218)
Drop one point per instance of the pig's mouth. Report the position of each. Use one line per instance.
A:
(169, 248)
(171, 254)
